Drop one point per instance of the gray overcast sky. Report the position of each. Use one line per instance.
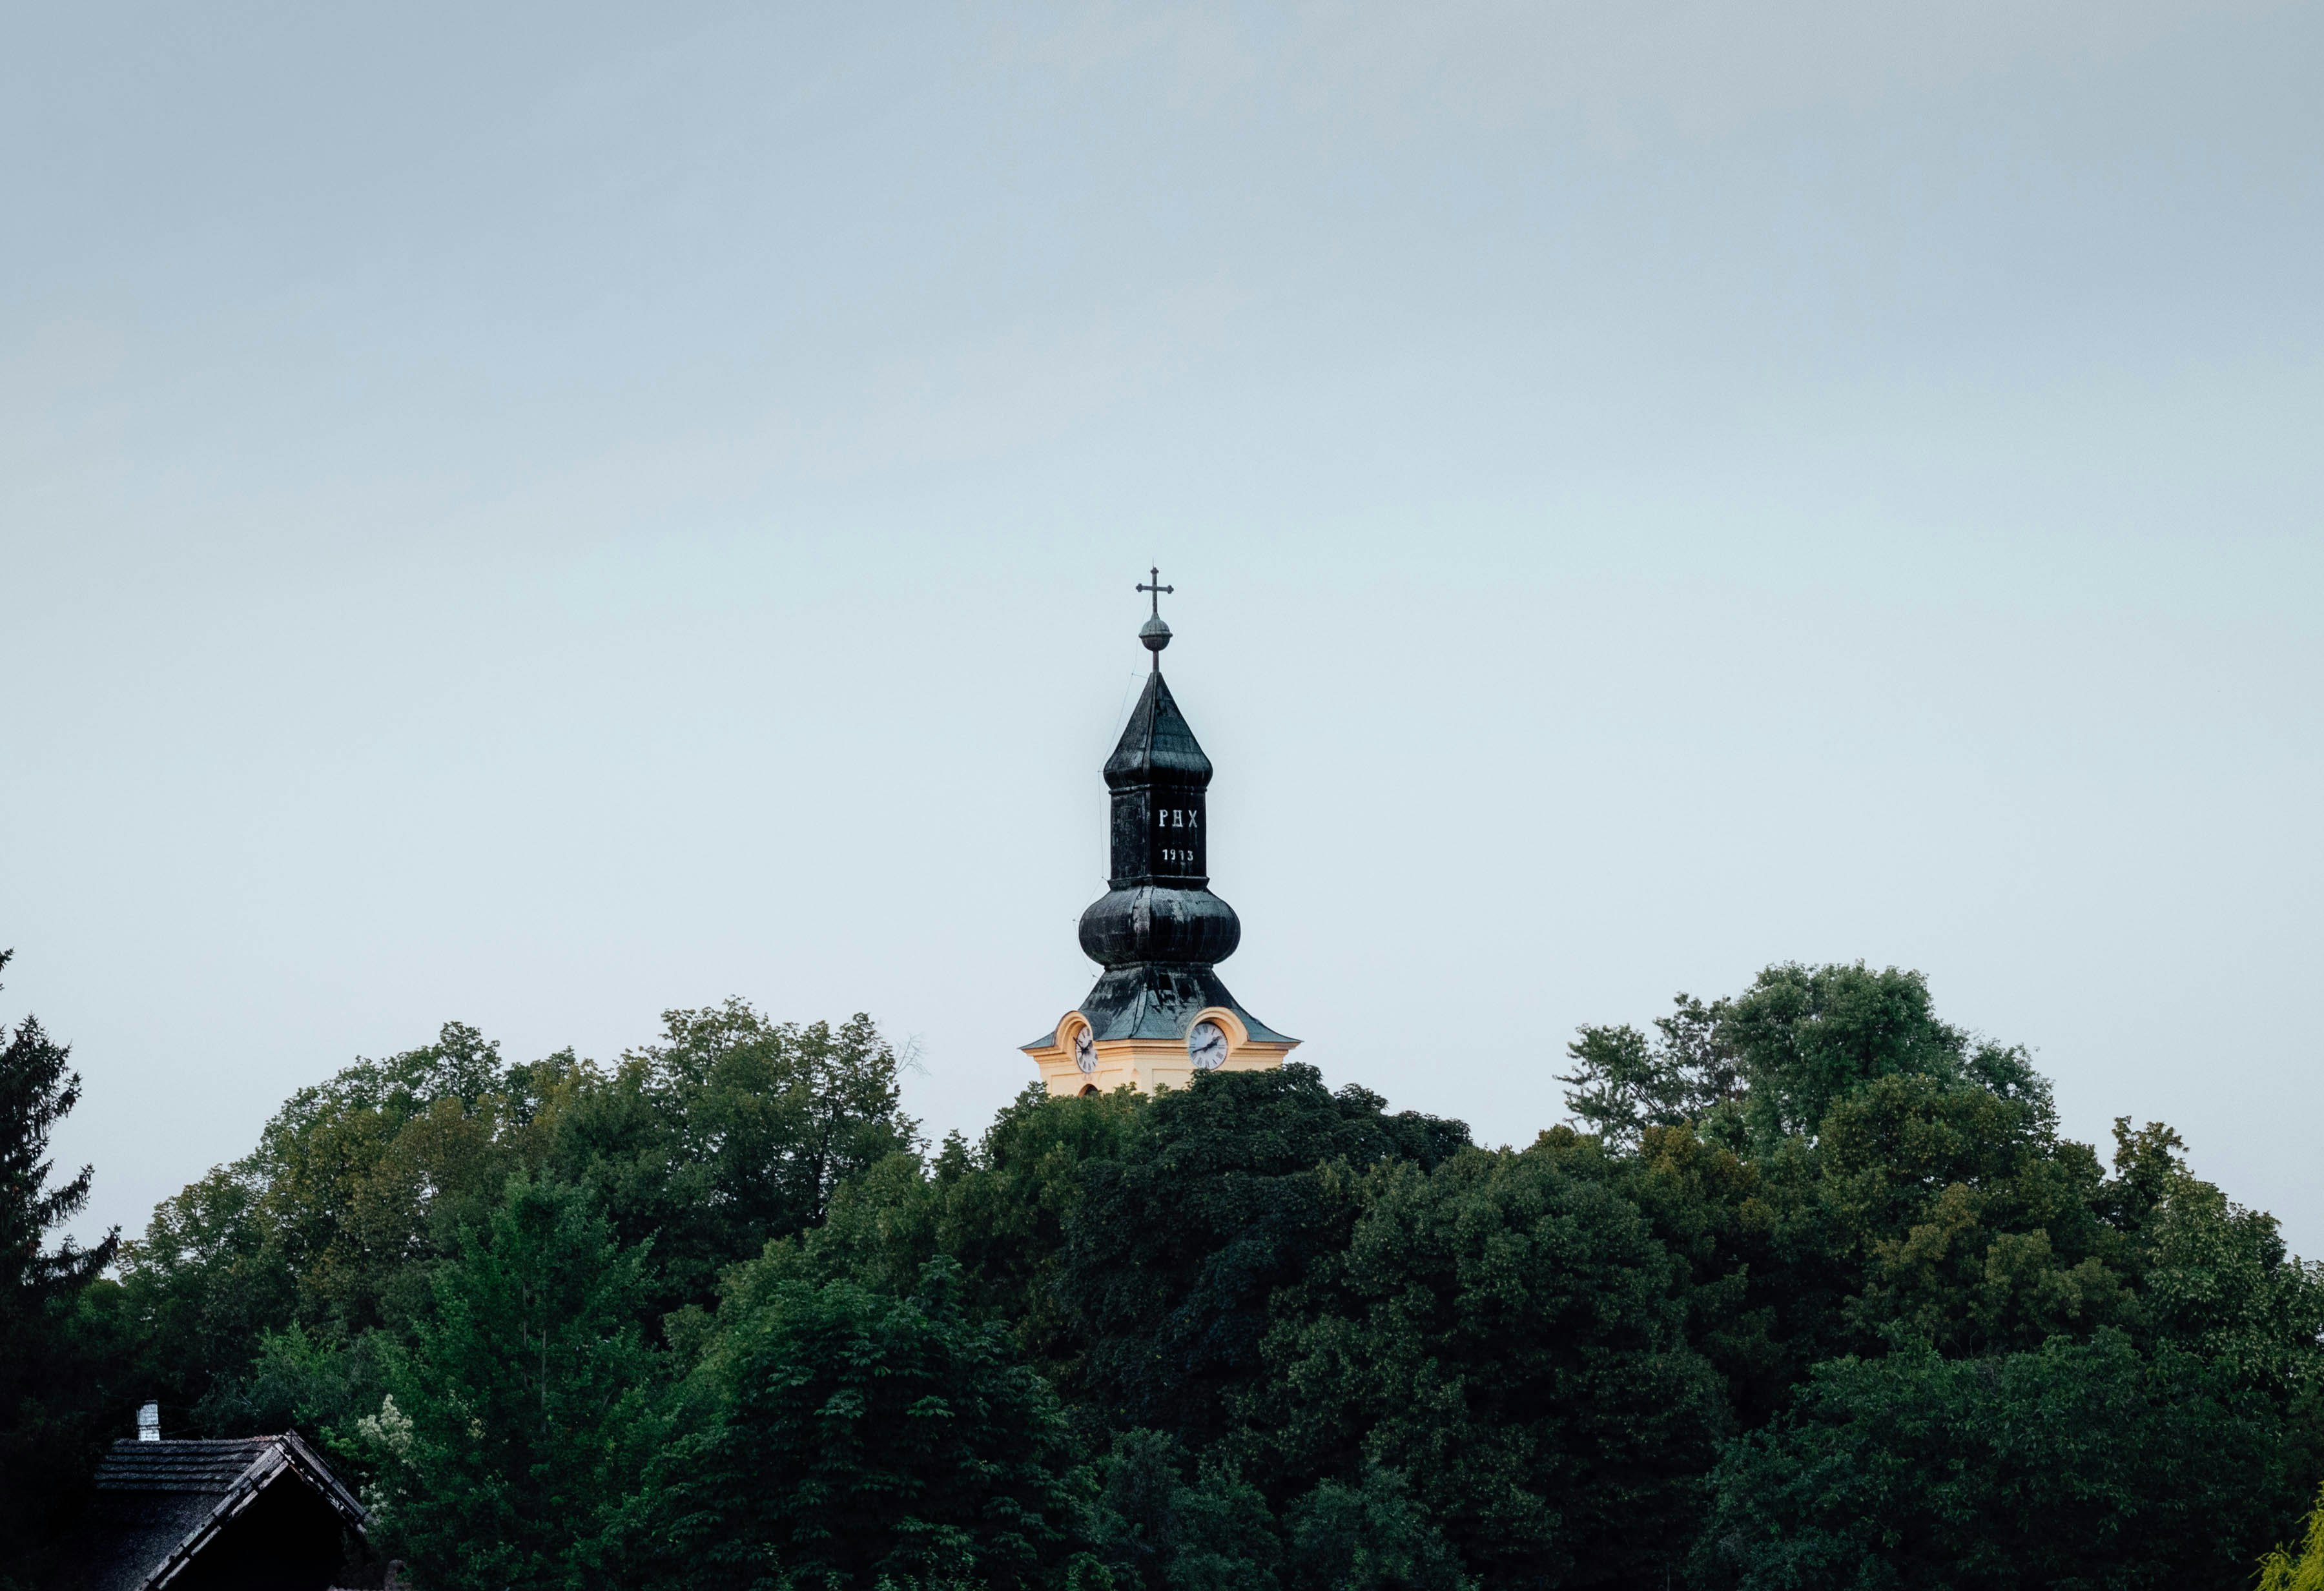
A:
(541, 515)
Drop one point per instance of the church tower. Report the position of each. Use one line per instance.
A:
(1159, 1013)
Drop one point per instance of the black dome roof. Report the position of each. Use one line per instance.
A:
(1156, 746)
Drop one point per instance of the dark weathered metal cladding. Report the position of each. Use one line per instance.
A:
(1148, 923)
(1158, 931)
(1160, 836)
(1156, 1002)
(1157, 747)
(1161, 814)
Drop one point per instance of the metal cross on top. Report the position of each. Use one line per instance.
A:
(1154, 635)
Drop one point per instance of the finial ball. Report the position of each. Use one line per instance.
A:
(1154, 633)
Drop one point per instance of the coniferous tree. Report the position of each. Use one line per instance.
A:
(52, 1396)
(37, 1090)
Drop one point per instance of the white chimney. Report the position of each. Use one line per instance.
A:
(149, 1422)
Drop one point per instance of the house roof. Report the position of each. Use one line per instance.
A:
(159, 1503)
(179, 1466)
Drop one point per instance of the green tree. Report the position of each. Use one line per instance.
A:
(300, 1380)
(1968, 1223)
(1884, 1178)
(1315, 1343)
(732, 1131)
(2214, 1278)
(358, 1187)
(37, 1090)
(52, 1398)
(518, 1418)
(1371, 1535)
(1624, 1082)
(999, 1210)
(1802, 1038)
(1772, 1061)
(205, 1285)
(368, 1176)
(1156, 1530)
(847, 1438)
(1225, 1192)
(2083, 1465)
(1506, 1331)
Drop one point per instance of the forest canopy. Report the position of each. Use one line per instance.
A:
(1809, 1292)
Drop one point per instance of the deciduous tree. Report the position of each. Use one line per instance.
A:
(2078, 1465)
(518, 1417)
(849, 1439)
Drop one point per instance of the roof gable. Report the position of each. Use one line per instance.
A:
(168, 1501)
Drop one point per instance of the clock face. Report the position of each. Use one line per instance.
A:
(1207, 1045)
(1085, 1050)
